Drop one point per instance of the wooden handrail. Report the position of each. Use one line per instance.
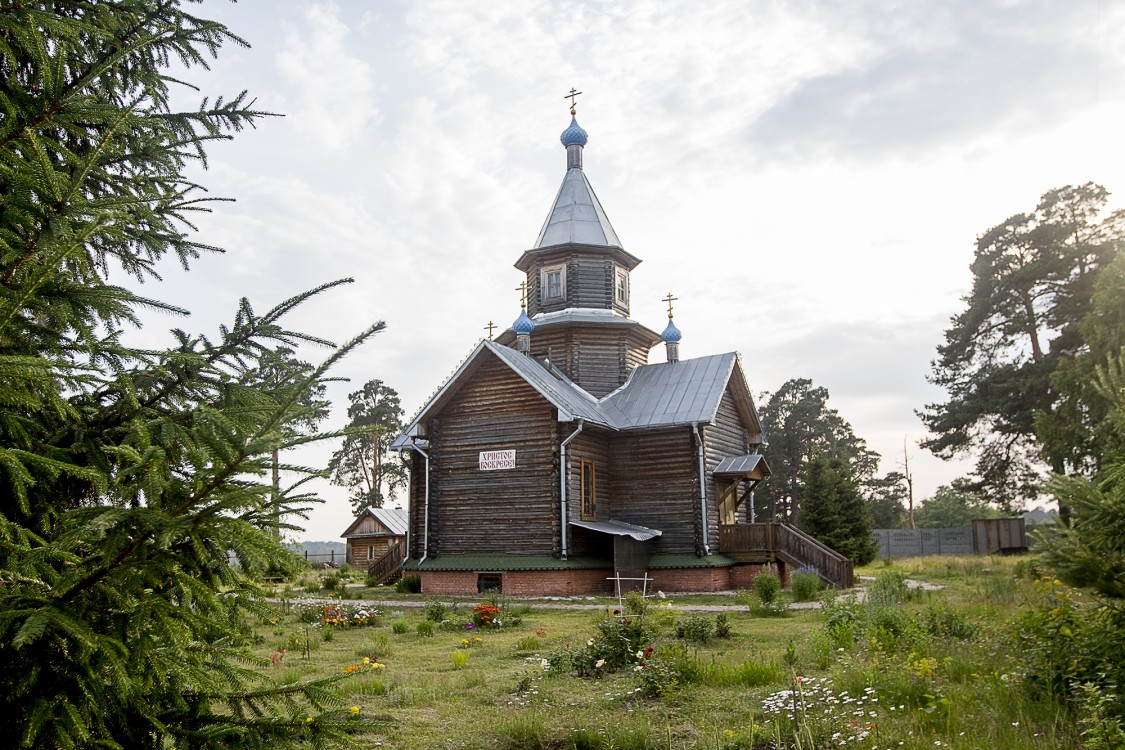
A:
(790, 544)
(385, 567)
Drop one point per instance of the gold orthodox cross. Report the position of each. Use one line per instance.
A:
(670, 299)
(490, 328)
(522, 289)
(573, 93)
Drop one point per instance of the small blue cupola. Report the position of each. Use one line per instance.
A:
(523, 328)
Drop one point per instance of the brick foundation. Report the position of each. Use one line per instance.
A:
(578, 582)
(742, 576)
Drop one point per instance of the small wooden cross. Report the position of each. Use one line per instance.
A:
(490, 328)
(670, 299)
(573, 93)
(522, 289)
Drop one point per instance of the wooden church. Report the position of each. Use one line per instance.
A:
(556, 457)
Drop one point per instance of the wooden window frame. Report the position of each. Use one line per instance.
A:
(545, 283)
(622, 287)
(589, 493)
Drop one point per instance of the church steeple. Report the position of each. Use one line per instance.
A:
(578, 284)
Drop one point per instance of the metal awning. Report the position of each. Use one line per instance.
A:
(745, 467)
(619, 528)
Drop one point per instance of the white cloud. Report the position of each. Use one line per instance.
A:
(331, 86)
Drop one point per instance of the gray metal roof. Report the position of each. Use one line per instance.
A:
(660, 395)
(743, 465)
(671, 393)
(394, 519)
(619, 528)
(577, 217)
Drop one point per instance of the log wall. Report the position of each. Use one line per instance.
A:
(726, 437)
(591, 280)
(589, 445)
(655, 483)
(508, 510)
(596, 357)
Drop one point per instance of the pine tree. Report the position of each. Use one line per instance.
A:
(129, 477)
(364, 463)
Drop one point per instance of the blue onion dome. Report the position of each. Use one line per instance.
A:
(574, 135)
(523, 323)
(671, 334)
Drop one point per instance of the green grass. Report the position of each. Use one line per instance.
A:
(965, 693)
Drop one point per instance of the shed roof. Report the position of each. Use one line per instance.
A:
(393, 519)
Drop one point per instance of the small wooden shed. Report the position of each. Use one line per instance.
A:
(375, 533)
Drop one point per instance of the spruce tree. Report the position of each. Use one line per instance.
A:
(130, 478)
(835, 512)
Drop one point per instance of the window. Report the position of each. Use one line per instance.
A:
(623, 287)
(553, 282)
(589, 491)
(371, 552)
(487, 582)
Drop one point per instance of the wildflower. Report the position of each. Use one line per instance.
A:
(590, 642)
(367, 660)
(599, 664)
(308, 720)
(354, 710)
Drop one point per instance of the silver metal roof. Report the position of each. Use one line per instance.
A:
(660, 395)
(743, 465)
(577, 217)
(671, 393)
(619, 528)
(394, 519)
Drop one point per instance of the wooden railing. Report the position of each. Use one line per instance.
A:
(789, 544)
(388, 566)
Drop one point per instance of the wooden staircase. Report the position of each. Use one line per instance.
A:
(770, 542)
(388, 567)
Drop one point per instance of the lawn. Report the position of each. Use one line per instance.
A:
(907, 669)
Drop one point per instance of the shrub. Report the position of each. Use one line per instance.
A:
(487, 616)
(722, 625)
(767, 586)
(944, 622)
(695, 629)
(409, 585)
(399, 627)
(435, 611)
(327, 634)
(805, 585)
(666, 669)
(528, 644)
(426, 629)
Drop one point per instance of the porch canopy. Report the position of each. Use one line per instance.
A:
(752, 467)
(619, 528)
(730, 474)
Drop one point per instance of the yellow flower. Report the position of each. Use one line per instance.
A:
(354, 710)
(309, 720)
(367, 660)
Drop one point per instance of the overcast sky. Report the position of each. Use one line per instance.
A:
(807, 177)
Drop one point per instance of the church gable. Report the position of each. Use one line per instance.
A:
(484, 504)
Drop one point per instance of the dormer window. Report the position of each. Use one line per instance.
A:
(553, 283)
(623, 287)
